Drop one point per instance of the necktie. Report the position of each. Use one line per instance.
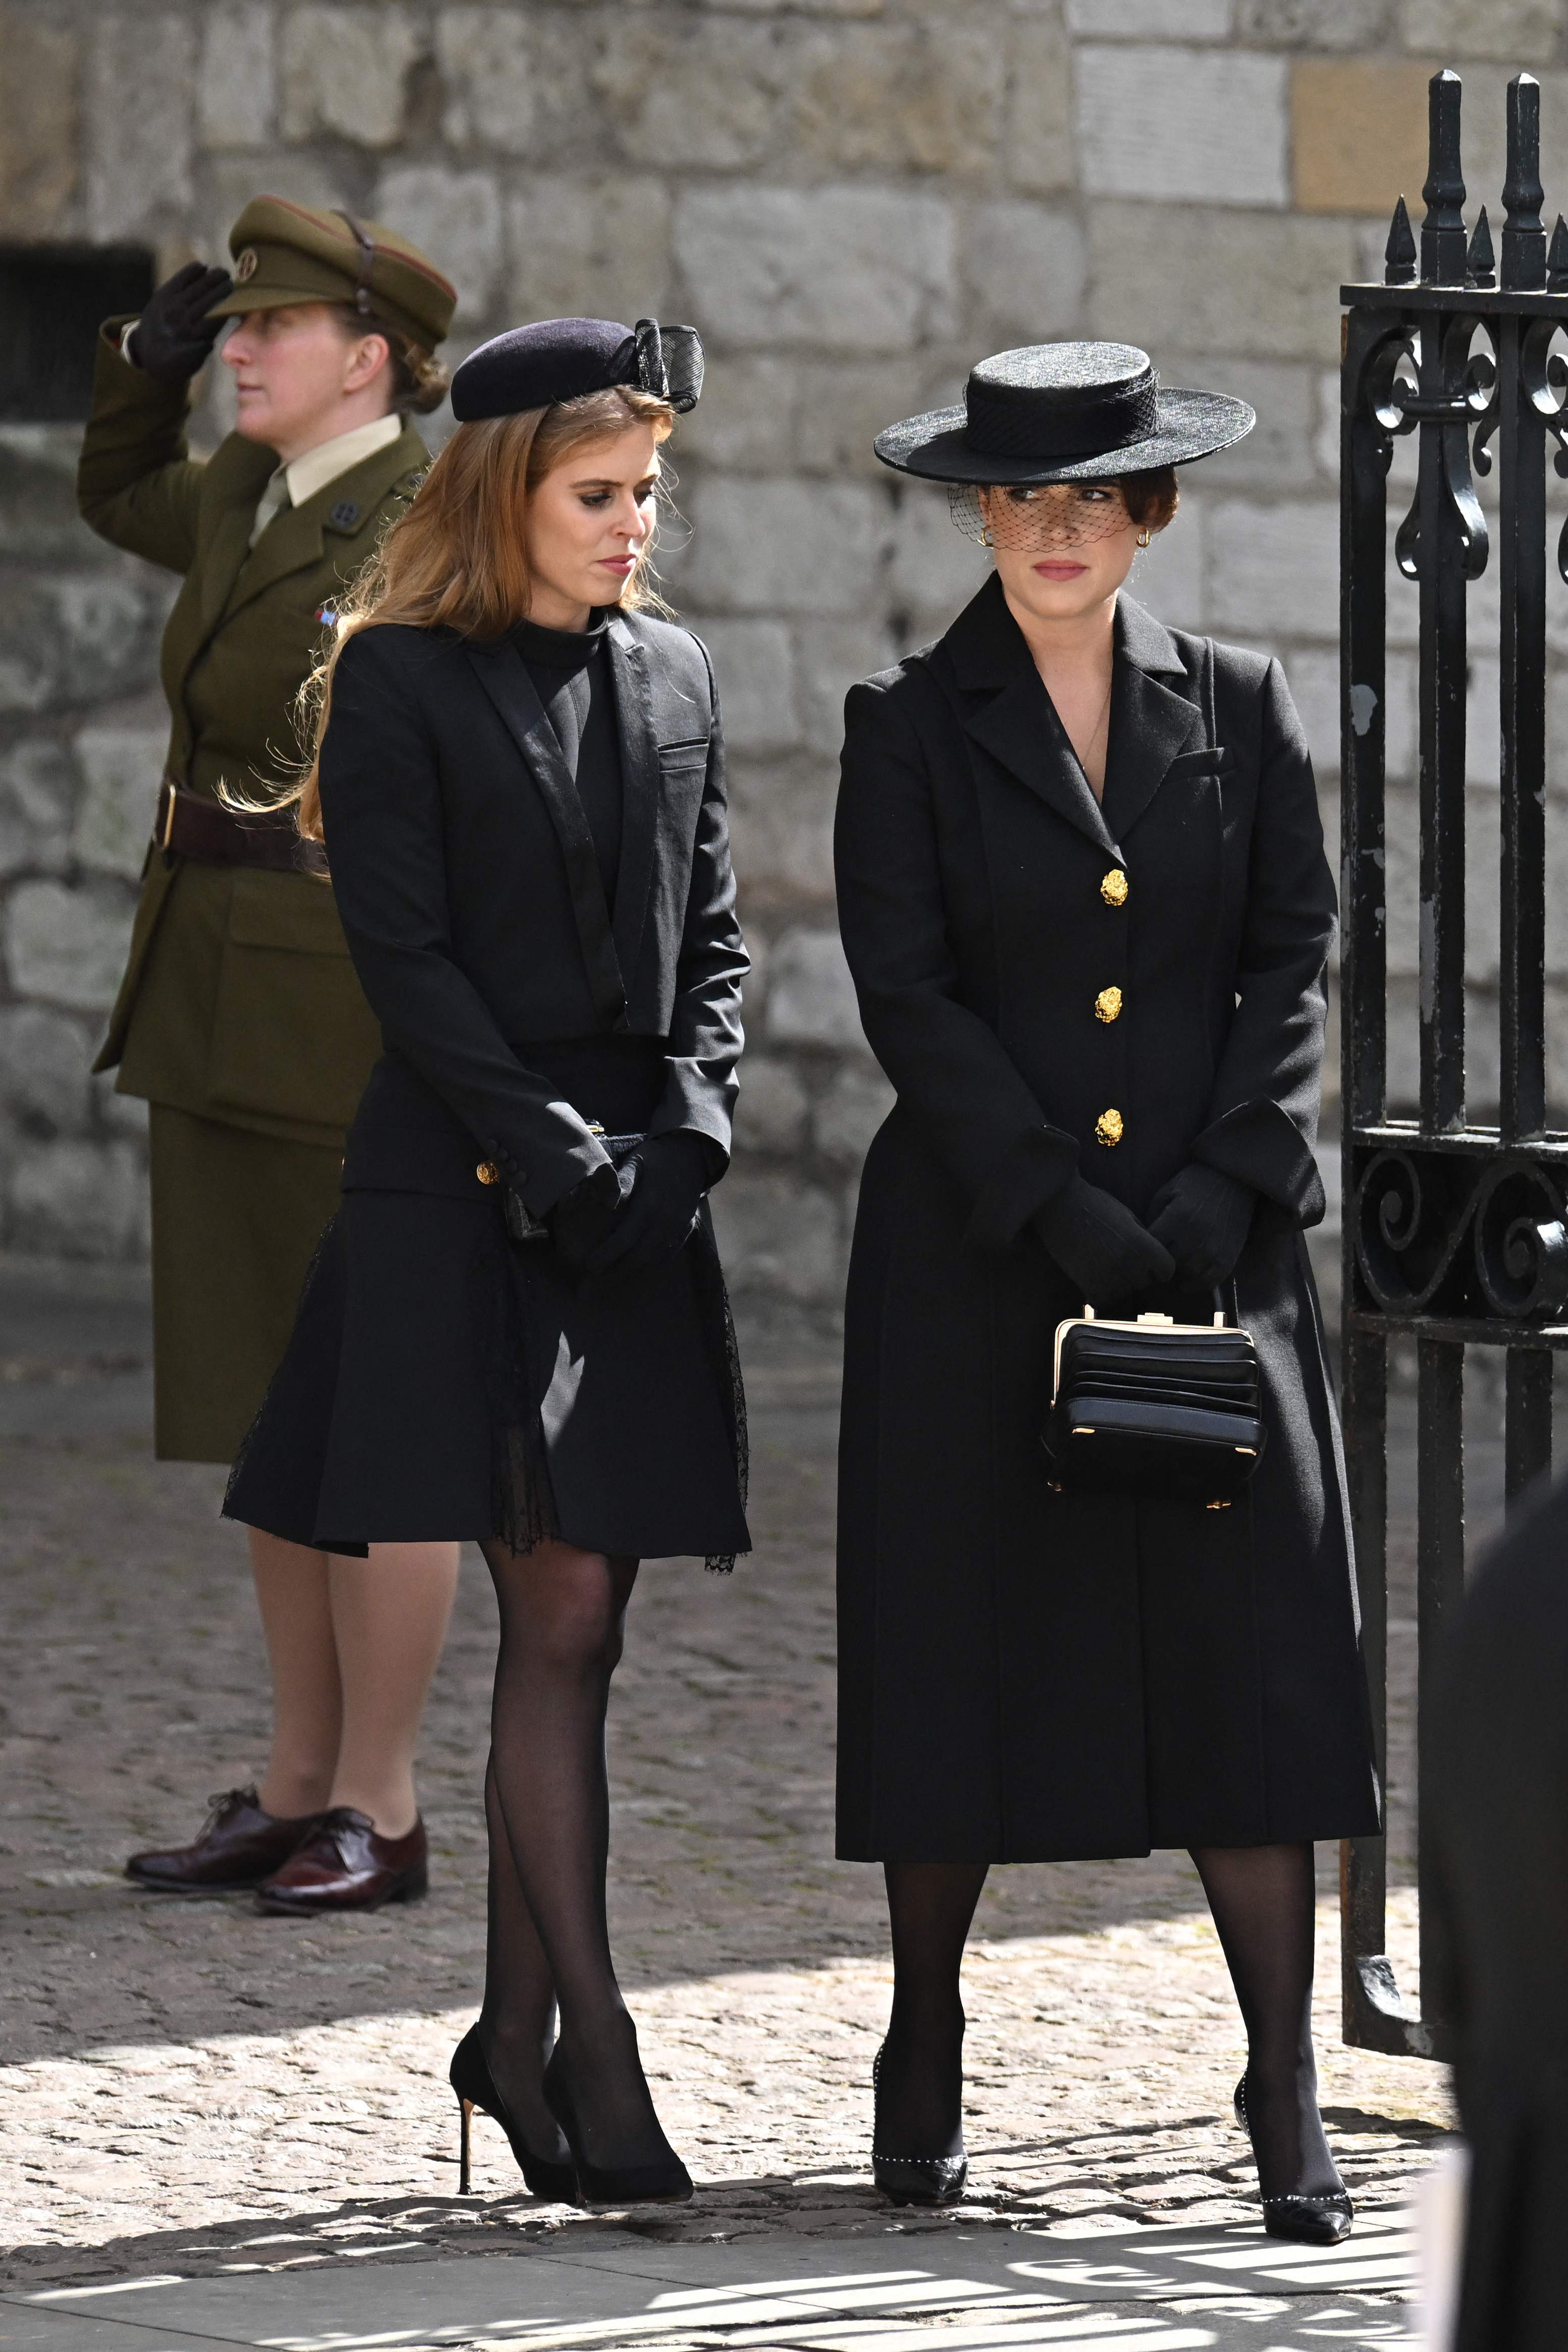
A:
(274, 499)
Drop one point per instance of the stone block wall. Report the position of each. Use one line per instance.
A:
(852, 198)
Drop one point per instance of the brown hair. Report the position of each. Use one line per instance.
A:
(419, 379)
(456, 559)
(1151, 498)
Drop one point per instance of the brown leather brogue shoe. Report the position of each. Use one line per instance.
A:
(239, 1845)
(344, 1865)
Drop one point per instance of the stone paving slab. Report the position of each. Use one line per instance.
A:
(192, 2090)
(1159, 2286)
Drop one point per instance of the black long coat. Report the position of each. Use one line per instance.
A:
(1498, 1861)
(439, 1381)
(1027, 1675)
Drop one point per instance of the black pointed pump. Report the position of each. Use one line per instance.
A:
(1311, 2221)
(553, 2183)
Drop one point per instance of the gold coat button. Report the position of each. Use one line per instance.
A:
(1107, 1129)
(1107, 1004)
(1113, 889)
(488, 1172)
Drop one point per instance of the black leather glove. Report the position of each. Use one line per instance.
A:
(1203, 1219)
(581, 1217)
(174, 337)
(669, 1174)
(1100, 1245)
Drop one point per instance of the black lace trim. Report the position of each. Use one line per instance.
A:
(724, 1353)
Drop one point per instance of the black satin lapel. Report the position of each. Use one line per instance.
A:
(502, 672)
(641, 792)
(1150, 723)
(1020, 728)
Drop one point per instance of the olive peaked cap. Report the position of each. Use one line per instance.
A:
(284, 252)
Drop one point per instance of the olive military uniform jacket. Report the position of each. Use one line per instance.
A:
(239, 1002)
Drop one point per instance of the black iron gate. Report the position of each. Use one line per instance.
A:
(1454, 1233)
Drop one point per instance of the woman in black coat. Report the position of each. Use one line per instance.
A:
(1085, 902)
(516, 1329)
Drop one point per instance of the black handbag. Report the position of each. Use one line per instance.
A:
(1154, 1408)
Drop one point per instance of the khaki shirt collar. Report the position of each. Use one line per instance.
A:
(311, 472)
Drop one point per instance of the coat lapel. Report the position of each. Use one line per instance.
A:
(235, 479)
(1151, 722)
(642, 785)
(504, 674)
(1020, 728)
(293, 542)
(1008, 713)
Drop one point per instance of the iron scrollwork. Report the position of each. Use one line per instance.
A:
(1466, 402)
(1543, 380)
(1439, 1233)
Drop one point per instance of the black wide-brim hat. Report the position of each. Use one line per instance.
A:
(1064, 413)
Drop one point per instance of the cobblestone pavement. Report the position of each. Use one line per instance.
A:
(192, 2088)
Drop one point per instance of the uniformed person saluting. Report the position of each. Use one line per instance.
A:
(239, 1018)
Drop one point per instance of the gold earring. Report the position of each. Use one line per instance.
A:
(986, 538)
(1145, 536)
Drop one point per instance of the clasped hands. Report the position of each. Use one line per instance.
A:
(1198, 1223)
(619, 1221)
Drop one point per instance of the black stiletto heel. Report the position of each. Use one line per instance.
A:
(620, 2184)
(469, 2075)
(913, 2179)
(1310, 2220)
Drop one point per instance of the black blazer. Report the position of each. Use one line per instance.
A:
(978, 995)
(471, 900)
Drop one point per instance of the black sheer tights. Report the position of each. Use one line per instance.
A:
(1262, 1901)
(547, 1808)
(920, 2083)
(1262, 1898)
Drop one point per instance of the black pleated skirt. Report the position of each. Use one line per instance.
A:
(443, 1383)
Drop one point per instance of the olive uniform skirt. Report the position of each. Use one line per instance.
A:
(237, 1219)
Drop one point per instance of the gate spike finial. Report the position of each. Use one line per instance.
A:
(1480, 261)
(1557, 258)
(1399, 253)
(1442, 230)
(1524, 237)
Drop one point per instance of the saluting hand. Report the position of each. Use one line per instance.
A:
(669, 1174)
(1100, 1245)
(174, 337)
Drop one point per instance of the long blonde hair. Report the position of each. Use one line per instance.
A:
(457, 558)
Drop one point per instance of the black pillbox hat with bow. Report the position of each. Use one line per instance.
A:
(564, 358)
(1064, 413)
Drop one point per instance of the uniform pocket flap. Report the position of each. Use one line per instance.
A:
(292, 912)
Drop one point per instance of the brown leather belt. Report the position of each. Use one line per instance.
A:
(191, 825)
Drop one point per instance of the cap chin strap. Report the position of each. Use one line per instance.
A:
(366, 245)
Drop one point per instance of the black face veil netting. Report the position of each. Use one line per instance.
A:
(1046, 517)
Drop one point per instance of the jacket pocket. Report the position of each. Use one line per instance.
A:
(292, 1035)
